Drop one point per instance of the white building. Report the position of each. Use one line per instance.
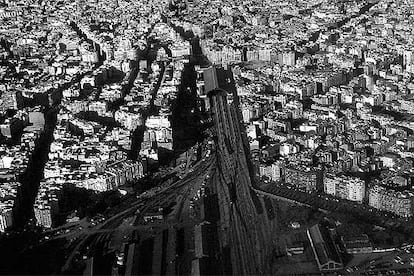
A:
(6, 217)
(345, 187)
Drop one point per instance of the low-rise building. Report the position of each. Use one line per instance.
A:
(357, 244)
(324, 249)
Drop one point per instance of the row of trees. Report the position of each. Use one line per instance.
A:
(384, 229)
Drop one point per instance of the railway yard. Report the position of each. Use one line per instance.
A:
(208, 219)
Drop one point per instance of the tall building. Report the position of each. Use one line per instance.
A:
(296, 109)
(345, 187)
(274, 172)
(6, 217)
(304, 178)
(399, 203)
(43, 215)
(408, 60)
